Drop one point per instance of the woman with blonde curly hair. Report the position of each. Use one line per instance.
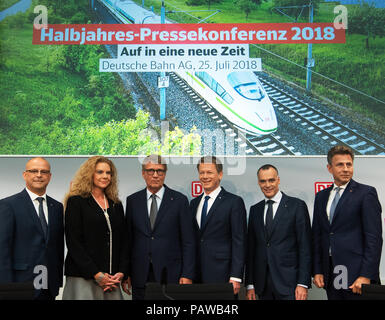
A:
(95, 232)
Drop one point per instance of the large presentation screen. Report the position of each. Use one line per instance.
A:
(191, 77)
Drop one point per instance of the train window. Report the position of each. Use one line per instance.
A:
(229, 99)
(215, 86)
(247, 85)
(205, 78)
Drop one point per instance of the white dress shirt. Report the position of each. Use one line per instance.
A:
(332, 195)
(158, 197)
(35, 202)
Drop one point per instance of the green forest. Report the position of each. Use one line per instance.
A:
(54, 100)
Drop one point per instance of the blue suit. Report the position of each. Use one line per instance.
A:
(286, 251)
(354, 236)
(221, 242)
(169, 245)
(22, 242)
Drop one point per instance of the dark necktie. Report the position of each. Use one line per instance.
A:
(269, 216)
(153, 210)
(43, 221)
(334, 203)
(204, 211)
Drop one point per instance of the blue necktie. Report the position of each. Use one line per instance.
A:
(43, 221)
(204, 211)
(334, 203)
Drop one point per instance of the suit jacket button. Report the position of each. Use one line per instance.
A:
(152, 238)
(268, 244)
(331, 233)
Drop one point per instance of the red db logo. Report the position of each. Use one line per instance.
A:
(319, 186)
(196, 188)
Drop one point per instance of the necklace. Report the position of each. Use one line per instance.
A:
(108, 224)
(105, 203)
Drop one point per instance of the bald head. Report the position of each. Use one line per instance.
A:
(36, 161)
(37, 175)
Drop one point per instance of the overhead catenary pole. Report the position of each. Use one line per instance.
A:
(162, 110)
(309, 52)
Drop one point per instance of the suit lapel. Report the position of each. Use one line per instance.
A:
(164, 205)
(324, 202)
(144, 215)
(31, 211)
(219, 199)
(281, 211)
(260, 223)
(348, 192)
(51, 216)
(194, 208)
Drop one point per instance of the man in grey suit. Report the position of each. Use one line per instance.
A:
(278, 263)
(32, 234)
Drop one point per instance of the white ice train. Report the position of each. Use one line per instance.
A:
(238, 96)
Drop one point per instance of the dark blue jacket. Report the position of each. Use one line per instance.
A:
(22, 243)
(221, 244)
(354, 236)
(169, 245)
(287, 251)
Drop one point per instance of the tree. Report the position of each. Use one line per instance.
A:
(130, 137)
(247, 6)
(367, 20)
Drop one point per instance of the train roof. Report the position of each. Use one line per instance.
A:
(139, 14)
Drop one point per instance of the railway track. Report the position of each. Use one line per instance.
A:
(318, 123)
(253, 145)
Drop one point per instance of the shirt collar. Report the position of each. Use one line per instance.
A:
(159, 194)
(33, 196)
(277, 198)
(343, 187)
(214, 194)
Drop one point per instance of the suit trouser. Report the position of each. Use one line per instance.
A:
(270, 293)
(338, 294)
(43, 294)
(138, 293)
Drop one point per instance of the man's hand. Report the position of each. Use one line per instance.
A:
(357, 285)
(319, 280)
(250, 294)
(126, 286)
(300, 293)
(236, 286)
(185, 281)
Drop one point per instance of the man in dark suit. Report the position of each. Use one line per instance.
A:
(161, 232)
(32, 235)
(278, 263)
(347, 231)
(220, 224)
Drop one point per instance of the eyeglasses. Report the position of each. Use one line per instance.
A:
(160, 172)
(35, 172)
